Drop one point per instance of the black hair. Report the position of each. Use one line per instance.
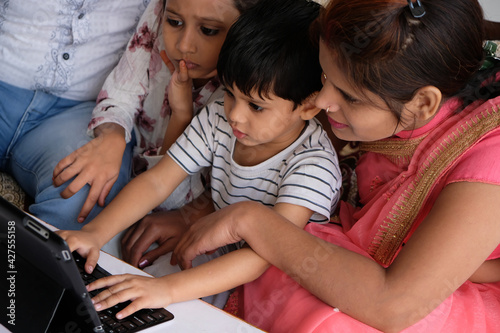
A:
(243, 5)
(270, 49)
(387, 51)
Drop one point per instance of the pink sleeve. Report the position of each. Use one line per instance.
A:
(481, 163)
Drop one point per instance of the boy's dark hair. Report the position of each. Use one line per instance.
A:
(269, 49)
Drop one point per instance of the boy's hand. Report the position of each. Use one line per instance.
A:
(85, 243)
(144, 292)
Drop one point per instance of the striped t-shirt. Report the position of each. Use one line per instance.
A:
(306, 173)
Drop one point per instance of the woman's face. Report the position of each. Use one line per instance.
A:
(194, 30)
(351, 115)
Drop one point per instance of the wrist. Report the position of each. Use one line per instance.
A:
(97, 233)
(111, 130)
(243, 221)
(111, 136)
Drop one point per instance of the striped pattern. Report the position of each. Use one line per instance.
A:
(306, 173)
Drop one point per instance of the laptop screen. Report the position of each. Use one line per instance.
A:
(43, 285)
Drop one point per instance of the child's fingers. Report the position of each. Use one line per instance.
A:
(167, 61)
(183, 72)
(134, 306)
(92, 258)
(105, 282)
(120, 293)
(115, 294)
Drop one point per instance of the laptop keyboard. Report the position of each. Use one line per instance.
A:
(136, 322)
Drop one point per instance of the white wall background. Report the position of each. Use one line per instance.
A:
(491, 9)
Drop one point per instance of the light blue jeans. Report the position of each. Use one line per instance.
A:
(37, 130)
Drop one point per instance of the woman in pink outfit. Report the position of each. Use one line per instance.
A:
(419, 253)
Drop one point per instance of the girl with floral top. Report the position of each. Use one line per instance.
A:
(134, 101)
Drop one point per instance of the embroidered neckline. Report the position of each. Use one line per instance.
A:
(407, 206)
(392, 149)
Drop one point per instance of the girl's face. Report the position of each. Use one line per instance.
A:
(351, 116)
(194, 30)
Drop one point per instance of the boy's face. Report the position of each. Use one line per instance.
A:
(194, 31)
(271, 123)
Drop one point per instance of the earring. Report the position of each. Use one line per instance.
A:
(328, 109)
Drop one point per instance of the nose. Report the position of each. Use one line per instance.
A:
(236, 113)
(326, 99)
(186, 42)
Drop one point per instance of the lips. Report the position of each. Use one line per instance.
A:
(238, 134)
(190, 65)
(335, 124)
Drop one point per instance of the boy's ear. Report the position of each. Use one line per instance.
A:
(425, 103)
(308, 108)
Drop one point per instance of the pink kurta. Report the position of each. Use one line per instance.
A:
(399, 180)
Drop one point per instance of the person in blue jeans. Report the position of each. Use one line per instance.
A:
(54, 59)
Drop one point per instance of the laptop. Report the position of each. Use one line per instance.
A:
(44, 287)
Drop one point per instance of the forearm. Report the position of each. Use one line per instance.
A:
(136, 199)
(339, 277)
(217, 275)
(129, 206)
(176, 126)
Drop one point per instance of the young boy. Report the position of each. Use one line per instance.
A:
(262, 144)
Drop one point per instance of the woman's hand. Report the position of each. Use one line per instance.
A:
(163, 228)
(144, 292)
(97, 163)
(209, 233)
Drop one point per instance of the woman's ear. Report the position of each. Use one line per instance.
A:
(425, 103)
(308, 108)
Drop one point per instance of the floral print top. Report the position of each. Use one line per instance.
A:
(134, 94)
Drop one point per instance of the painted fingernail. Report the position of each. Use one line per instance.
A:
(143, 263)
(97, 306)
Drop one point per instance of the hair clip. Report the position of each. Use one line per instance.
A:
(417, 9)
